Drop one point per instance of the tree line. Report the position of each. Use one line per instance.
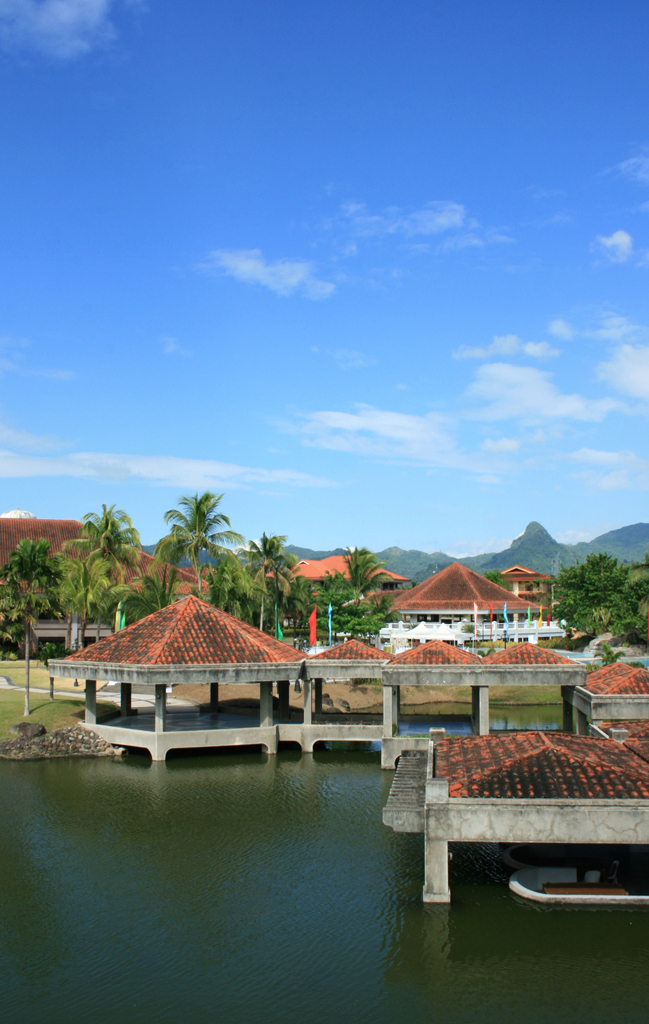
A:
(97, 578)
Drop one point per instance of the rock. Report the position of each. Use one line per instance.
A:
(343, 704)
(28, 730)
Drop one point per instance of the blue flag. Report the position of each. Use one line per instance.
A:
(506, 620)
(330, 623)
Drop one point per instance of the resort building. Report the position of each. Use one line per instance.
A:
(529, 584)
(316, 569)
(456, 603)
(18, 525)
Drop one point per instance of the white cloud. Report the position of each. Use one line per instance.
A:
(521, 392)
(508, 345)
(628, 370)
(163, 471)
(430, 219)
(500, 445)
(58, 28)
(284, 277)
(16, 347)
(350, 359)
(618, 247)
(384, 434)
(26, 442)
(561, 329)
(636, 168)
(617, 328)
(170, 346)
(612, 471)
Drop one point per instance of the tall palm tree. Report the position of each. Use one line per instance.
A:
(268, 558)
(156, 589)
(196, 526)
(84, 590)
(639, 573)
(300, 600)
(365, 571)
(231, 588)
(31, 578)
(110, 536)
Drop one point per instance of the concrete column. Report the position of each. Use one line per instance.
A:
(91, 702)
(480, 707)
(436, 889)
(160, 707)
(265, 704)
(582, 723)
(390, 711)
(318, 696)
(283, 692)
(125, 694)
(567, 716)
(307, 687)
(214, 698)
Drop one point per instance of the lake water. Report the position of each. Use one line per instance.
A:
(247, 888)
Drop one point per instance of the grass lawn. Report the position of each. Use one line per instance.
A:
(53, 714)
(38, 675)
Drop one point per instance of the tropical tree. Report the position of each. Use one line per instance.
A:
(365, 571)
(299, 604)
(231, 588)
(266, 558)
(108, 536)
(639, 573)
(196, 526)
(84, 591)
(31, 578)
(156, 589)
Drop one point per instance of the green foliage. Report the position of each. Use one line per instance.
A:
(108, 535)
(359, 619)
(600, 593)
(84, 590)
(195, 527)
(51, 650)
(267, 558)
(232, 588)
(156, 589)
(495, 576)
(365, 571)
(609, 656)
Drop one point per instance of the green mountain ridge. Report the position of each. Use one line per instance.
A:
(535, 548)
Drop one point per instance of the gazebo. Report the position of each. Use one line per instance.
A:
(438, 664)
(618, 693)
(190, 641)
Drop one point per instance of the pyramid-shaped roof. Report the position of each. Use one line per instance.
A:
(618, 678)
(541, 765)
(527, 654)
(352, 649)
(435, 652)
(457, 588)
(188, 632)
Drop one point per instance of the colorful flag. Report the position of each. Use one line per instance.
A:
(548, 616)
(329, 617)
(120, 618)
(529, 621)
(312, 626)
(491, 621)
(280, 635)
(540, 622)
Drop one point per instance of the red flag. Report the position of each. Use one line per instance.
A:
(548, 616)
(312, 626)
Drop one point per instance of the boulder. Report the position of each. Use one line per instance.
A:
(28, 730)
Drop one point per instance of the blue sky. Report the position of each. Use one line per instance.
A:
(377, 271)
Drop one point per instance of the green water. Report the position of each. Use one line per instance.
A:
(257, 889)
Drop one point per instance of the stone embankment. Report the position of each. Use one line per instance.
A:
(34, 744)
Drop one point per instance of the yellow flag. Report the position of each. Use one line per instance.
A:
(540, 622)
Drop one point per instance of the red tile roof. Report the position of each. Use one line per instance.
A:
(521, 572)
(317, 568)
(435, 652)
(352, 649)
(59, 531)
(457, 587)
(189, 632)
(618, 678)
(541, 765)
(526, 654)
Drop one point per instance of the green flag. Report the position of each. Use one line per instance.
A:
(528, 615)
(280, 635)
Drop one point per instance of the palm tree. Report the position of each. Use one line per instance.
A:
(196, 526)
(157, 589)
(268, 558)
(84, 590)
(231, 588)
(108, 535)
(365, 571)
(639, 573)
(31, 578)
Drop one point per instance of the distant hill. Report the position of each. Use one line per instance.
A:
(535, 548)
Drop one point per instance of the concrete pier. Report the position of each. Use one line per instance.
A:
(160, 707)
(91, 701)
(480, 709)
(265, 705)
(125, 700)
